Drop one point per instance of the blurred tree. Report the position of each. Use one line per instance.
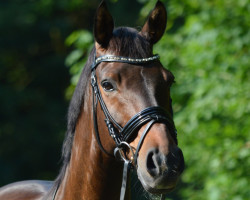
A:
(33, 79)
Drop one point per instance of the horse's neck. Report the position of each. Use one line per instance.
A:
(90, 174)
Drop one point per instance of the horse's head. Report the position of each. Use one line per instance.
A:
(127, 88)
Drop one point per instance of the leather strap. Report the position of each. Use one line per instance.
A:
(126, 167)
(97, 136)
(143, 117)
(141, 140)
(127, 163)
(54, 194)
(121, 59)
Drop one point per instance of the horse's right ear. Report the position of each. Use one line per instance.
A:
(155, 26)
(103, 25)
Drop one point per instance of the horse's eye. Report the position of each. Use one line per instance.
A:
(107, 86)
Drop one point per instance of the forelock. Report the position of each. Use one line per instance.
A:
(128, 42)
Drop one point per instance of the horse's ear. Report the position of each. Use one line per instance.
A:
(156, 23)
(103, 25)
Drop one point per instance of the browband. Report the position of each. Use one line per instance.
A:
(121, 59)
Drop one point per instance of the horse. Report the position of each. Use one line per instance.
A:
(119, 119)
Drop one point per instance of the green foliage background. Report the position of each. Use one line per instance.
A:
(206, 46)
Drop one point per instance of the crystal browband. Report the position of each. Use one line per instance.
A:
(111, 58)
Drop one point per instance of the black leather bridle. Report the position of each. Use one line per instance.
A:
(121, 135)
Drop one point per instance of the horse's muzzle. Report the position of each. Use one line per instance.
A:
(161, 172)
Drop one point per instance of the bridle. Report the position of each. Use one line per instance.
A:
(121, 135)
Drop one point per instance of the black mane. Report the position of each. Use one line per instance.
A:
(125, 42)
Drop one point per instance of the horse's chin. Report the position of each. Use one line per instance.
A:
(159, 185)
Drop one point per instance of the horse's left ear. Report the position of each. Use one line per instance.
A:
(104, 25)
(156, 23)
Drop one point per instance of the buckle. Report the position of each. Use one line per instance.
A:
(120, 152)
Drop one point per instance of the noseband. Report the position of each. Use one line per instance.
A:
(121, 135)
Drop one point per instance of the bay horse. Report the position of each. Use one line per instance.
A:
(120, 118)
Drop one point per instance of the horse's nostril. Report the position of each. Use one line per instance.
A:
(153, 163)
(175, 160)
(158, 164)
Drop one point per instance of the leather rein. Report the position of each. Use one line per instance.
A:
(121, 135)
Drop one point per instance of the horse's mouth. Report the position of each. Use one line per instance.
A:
(156, 186)
(157, 191)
